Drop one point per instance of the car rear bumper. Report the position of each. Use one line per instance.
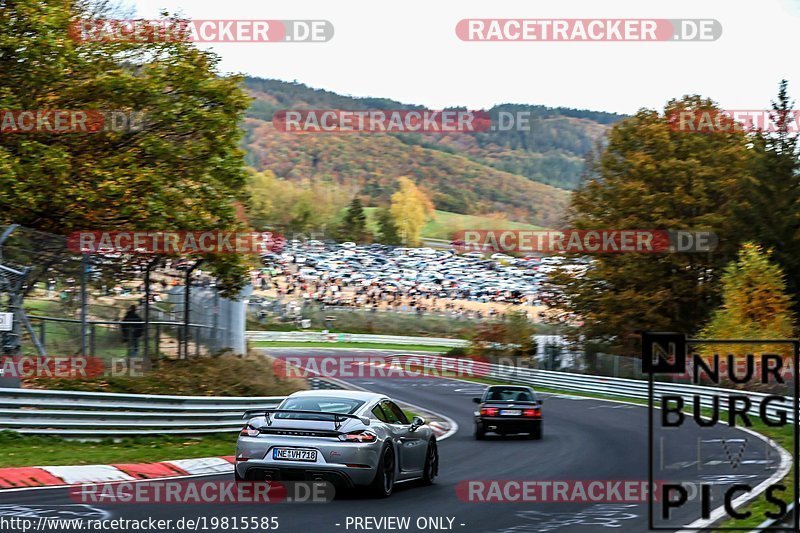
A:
(341, 476)
(346, 464)
(509, 425)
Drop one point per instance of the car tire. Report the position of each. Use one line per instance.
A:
(431, 469)
(383, 484)
(480, 433)
(536, 434)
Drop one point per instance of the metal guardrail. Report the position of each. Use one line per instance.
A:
(599, 385)
(333, 338)
(99, 414)
(94, 414)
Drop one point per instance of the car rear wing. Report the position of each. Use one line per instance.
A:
(337, 418)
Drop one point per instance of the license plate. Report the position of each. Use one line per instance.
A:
(510, 412)
(294, 454)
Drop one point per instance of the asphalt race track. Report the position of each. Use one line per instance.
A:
(583, 440)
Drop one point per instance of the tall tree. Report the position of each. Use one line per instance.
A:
(772, 200)
(411, 208)
(653, 176)
(354, 225)
(387, 229)
(183, 170)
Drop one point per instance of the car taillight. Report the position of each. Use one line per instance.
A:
(489, 411)
(358, 436)
(532, 413)
(249, 431)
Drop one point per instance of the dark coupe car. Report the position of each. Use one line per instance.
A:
(508, 409)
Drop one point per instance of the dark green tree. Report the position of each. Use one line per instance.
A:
(387, 229)
(772, 202)
(354, 225)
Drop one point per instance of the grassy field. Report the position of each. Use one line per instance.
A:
(381, 323)
(63, 338)
(351, 345)
(444, 224)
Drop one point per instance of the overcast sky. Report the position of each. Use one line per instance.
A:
(408, 50)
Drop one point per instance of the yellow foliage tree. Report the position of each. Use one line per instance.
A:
(300, 206)
(411, 208)
(755, 305)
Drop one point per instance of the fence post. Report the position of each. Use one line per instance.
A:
(84, 268)
(42, 329)
(152, 264)
(158, 340)
(187, 309)
(214, 332)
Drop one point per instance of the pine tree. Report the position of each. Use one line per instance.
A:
(354, 225)
(755, 304)
(772, 201)
(387, 229)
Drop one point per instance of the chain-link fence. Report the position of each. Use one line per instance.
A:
(110, 304)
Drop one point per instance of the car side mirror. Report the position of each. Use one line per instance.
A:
(476, 400)
(417, 422)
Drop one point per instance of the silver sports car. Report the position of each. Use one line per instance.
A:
(348, 438)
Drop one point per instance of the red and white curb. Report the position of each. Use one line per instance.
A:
(27, 477)
(47, 476)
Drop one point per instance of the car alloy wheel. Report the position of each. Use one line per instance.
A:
(431, 463)
(383, 485)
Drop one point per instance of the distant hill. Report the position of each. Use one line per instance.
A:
(525, 175)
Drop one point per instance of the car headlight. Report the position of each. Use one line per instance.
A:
(361, 435)
(249, 431)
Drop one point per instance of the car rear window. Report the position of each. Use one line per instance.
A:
(319, 403)
(509, 395)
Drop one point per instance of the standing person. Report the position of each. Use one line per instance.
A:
(132, 330)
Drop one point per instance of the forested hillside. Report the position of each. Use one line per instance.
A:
(525, 174)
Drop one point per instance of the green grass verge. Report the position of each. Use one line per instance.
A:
(353, 345)
(445, 223)
(29, 450)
